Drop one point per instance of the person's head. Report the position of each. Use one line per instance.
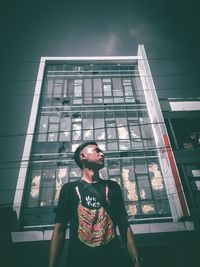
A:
(89, 155)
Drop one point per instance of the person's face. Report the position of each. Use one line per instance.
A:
(93, 156)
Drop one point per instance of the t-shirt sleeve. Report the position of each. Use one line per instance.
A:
(63, 208)
(121, 210)
(121, 216)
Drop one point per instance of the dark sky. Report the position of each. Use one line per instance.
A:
(169, 30)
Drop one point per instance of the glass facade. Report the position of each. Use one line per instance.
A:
(102, 102)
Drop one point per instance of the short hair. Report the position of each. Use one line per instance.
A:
(78, 151)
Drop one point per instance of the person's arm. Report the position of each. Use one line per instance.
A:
(131, 246)
(125, 229)
(128, 240)
(57, 244)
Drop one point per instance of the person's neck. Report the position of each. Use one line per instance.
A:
(90, 176)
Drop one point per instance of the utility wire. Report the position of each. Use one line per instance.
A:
(118, 74)
(60, 154)
(72, 95)
(62, 157)
(60, 186)
(86, 129)
(137, 188)
(29, 61)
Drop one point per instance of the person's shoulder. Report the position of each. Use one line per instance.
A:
(69, 185)
(112, 184)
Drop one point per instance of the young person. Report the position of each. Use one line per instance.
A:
(93, 207)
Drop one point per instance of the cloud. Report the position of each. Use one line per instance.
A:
(111, 44)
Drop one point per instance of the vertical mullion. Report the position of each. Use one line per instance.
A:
(140, 131)
(83, 93)
(132, 85)
(54, 187)
(92, 88)
(41, 185)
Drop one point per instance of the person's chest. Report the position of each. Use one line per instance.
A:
(79, 194)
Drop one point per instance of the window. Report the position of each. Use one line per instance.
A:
(58, 88)
(129, 184)
(117, 91)
(196, 173)
(124, 145)
(43, 128)
(144, 187)
(193, 176)
(197, 185)
(122, 128)
(111, 129)
(35, 177)
(147, 208)
(88, 129)
(187, 132)
(107, 89)
(77, 92)
(112, 145)
(53, 128)
(76, 128)
(99, 127)
(97, 88)
(61, 178)
(47, 187)
(65, 129)
(128, 90)
(87, 91)
(74, 173)
(118, 100)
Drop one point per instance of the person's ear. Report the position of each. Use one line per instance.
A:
(82, 156)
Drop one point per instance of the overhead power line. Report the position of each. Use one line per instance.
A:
(30, 61)
(71, 95)
(100, 75)
(84, 129)
(63, 156)
(46, 187)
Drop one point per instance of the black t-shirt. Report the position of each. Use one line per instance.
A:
(93, 239)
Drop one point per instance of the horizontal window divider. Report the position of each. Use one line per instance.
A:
(93, 75)
(89, 111)
(97, 105)
(59, 160)
(49, 154)
(90, 71)
(54, 161)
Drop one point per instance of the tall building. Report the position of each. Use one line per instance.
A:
(113, 101)
(182, 116)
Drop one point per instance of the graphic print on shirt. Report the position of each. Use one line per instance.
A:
(95, 225)
(92, 202)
